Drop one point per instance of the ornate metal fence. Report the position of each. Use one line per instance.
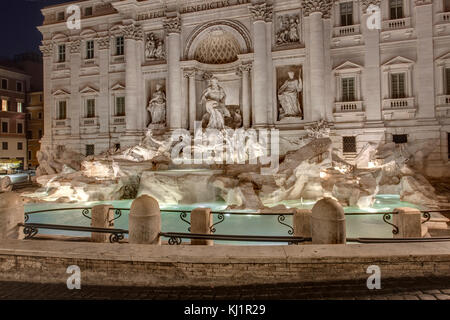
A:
(117, 235)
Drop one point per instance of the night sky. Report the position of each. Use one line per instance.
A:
(19, 19)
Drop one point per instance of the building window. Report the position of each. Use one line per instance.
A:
(20, 128)
(348, 89)
(88, 11)
(62, 110)
(90, 108)
(39, 115)
(349, 144)
(119, 46)
(120, 106)
(396, 9)
(5, 145)
(19, 146)
(447, 80)
(40, 133)
(5, 127)
(4, 105)
(40, 98)
(29, 155)
(19, 107)
(29, 134)
(398, 86)
(90, 149)
(61, 16)
(19, 86)
(447, 5)
(90, 49)
(62, 53)
(117, 147)
(346, 10)
(5, 84)
(400, 138)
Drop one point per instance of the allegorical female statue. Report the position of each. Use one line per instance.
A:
(288, 95)
(213, 98)
(157, 106)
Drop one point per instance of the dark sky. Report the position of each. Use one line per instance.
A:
(18, 21)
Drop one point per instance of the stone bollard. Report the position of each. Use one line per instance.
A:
(409, 223)
(101, 215)
(11, 214)
(144, 221)
(328, 222)
(201, 222)
(302, 223)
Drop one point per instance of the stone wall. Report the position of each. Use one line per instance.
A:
(144, 265)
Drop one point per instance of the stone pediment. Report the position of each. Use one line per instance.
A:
(444, 58)
(88, 89)
(399, 60)
(118, 86)
(60, 92)
(348, 67)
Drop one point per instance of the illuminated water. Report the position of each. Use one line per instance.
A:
(366, 226)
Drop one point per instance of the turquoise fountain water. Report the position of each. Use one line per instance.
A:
(366, 226)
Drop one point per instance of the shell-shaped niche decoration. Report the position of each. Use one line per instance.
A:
(218, 47)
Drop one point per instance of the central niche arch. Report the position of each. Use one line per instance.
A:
(218, 42)
(218, 47)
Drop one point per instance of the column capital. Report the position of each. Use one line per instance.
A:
(172, 25)
(190, 73)
(365, 4)
(103, 43)
(244, 68)
(261, 12)
(46, 49)
(133, 32)
(322, 6)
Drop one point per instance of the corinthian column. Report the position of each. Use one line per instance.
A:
(190, 74)
(132, 34)
(316, 10)
(260, 13)
(49, 114)
(175, 103)
(246, 111)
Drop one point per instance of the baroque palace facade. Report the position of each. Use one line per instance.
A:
(282, 64)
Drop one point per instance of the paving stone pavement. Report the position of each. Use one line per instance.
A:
(403, 289)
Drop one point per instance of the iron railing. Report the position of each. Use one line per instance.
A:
(116, 235)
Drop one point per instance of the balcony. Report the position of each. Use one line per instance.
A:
(404, 103)
(351, 111)
(61, 123)
(399, 109)
(118, 120)
(443, 100)
(443, 17)
(347, 30)
(89, 122)
(396, 24)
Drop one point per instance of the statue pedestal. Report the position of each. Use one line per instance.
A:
(159, 126)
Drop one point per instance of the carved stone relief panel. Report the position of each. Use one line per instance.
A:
(288, 29)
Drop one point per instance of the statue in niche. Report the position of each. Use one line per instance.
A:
(288, 96)
(154, 49)
(157, 107)
(213, 98)
(289, 30)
